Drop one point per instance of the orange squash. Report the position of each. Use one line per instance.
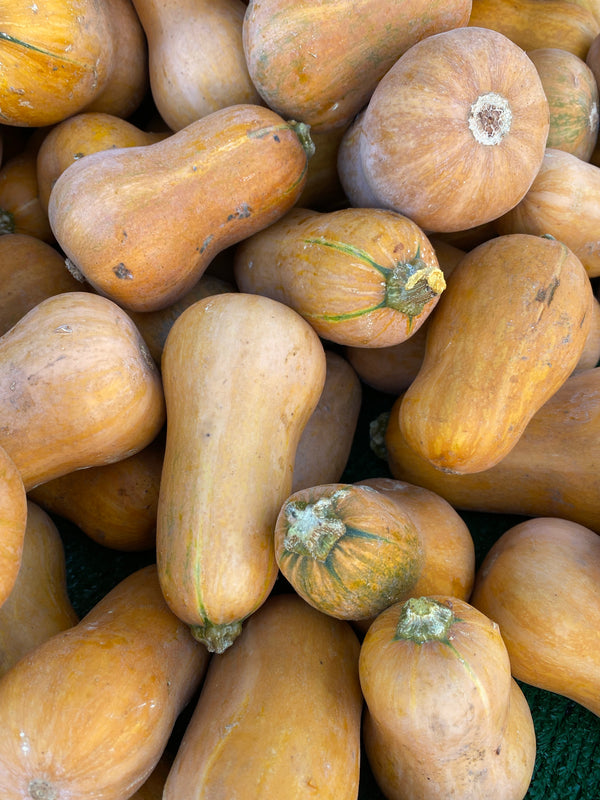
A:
(556, 23)
(78, 387)
(572, 92)
(21, 210)
(153, 787)
(326, 440)
(562, 201)
(38, 605)
(444, 719)
(241, 374)
(257, 731)
(455, 131)
(551, 471)
(364, 277)
(119, 678)
(320, 64)
(30, 271)
(196, 57)
(56, 55)
(143, 223)
(114, 504)
(348, 550)
(13, 516)
(80, 135)
(541, 583)
(323, 190)
(514, 323)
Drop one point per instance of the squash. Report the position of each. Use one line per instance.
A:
(444, 719)
(320, 64)
(364, 277)
(30, 271)
(21, 210)
(143, 223)
(152, 788)
(57, 56)
(257, 731)
(540, 582)
(128, 81)
(590, 357)
(241, 374)
(455, 131)
(326, 440)
(349, 167)
(13, 516)
(449, 552)
(78, 387)
(323, 189)
(510, 330)
(565, 24)
(196, 57)
(562, 201)
(80, 135)
(348, 550)
(551, 471)
(38, 605)
(114, 504)
(119, 679)
(572, 92)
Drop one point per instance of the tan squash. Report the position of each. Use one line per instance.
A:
(143, 223)
(78, 387)
(564, 24)
(551, 471)
(114, 504)
(284, 738)
(323, 190)
(455, 131)
(56, 55)
(119, 679)
(320, 63)
(562, 201)
(196, 57)
(242, 374)
(348, 550)
(361, 276)
(514, 323)
(21, 210)
(80, 135)
(444, 719)
(39, 605)
(349, 167)
(590, 357)
(326, 441)
(30, 271)
(541, 583)
(572, 92)
(13, 516)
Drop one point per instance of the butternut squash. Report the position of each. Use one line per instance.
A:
(21, 210)
(13, 516)
(242, 374)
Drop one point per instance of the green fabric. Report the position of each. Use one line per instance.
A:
(568, 736)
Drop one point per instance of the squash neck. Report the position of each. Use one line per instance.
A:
(313, 529)
(423, 619)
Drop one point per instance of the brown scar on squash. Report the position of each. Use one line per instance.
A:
(546, 295)
(122, 272)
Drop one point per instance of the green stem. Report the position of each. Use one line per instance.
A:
(7, 222)
(302, 131)
(314, 528)
(217, 638)
(410, 285)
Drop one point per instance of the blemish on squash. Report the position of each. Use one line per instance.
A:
(122, 272)
(242, 212)
(546, 295)
(74, 270)
(63, 329)
(41, 790)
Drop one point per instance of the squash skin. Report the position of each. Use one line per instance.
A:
(21, 210)
(551, 471)
(288, 739)
(348, 550)
(366, 277)
(233, 362)
(13, 516)
(444, 719)
(38, 605)
(119, 677)
(514, 323)
(539, 582)
(78, 387)
(447, 88)
(143, 223)
(306, 69)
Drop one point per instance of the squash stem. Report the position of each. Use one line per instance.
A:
(7, 222)
(314, 528)
(423, 619)
(217, 638)
(302, 131)
(410, 285)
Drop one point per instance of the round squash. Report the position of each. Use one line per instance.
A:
(143, 223)
(445, 719)
(455, 132)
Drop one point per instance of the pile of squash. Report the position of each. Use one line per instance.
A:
(225, 223)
